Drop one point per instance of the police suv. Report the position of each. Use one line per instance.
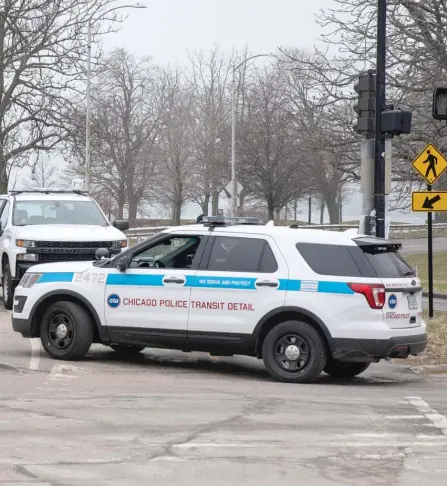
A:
(303, 300)
(51, 226)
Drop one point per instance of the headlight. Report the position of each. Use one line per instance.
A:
(120, 244)
(29, 279)
(26, 244)
(27, 257)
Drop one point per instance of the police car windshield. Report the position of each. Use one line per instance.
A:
(57, 212)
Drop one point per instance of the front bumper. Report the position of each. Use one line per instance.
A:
(367, 350)
(23, 326)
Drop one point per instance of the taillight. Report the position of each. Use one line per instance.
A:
(374, 293)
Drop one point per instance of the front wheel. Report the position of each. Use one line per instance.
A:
(7, 287)
(123, 350)
(344, 371)
(66, 331)
(294, 352)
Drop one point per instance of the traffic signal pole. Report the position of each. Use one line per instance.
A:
(379, 145)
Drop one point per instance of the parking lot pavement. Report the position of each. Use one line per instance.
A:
(169, 418)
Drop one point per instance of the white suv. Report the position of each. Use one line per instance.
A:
(51, 226)
(303, 300)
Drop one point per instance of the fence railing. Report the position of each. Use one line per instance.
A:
(135, 235)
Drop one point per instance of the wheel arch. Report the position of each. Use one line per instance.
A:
(101, 333)
(286, 313)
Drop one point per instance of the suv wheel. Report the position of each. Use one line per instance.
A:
(123, 350)
(7, 287)
(344, 370)
(66, 331)
(294, 352)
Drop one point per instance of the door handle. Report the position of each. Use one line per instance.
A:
(176, 280)
(267, 283)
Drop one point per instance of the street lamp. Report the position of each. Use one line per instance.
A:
(233, 131)
(88, 87)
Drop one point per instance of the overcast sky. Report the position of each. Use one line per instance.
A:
(166, 29)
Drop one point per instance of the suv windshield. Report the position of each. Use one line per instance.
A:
(57, 212)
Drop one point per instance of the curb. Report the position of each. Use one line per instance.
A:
(436, 295)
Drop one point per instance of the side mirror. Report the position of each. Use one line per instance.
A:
(101, 253)
(121, 265)
(121, 224)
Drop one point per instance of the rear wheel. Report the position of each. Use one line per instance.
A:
(7, 287)
(127, 350)
(345, 370)
(66, 331)
(294, 352)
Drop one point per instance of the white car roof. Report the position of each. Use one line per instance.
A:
(297, 234)
(36, 196)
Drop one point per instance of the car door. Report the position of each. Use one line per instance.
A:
(150, 297)
(241, 278)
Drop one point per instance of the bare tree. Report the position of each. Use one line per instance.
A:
(44, 174)
(126, 113)
(272, 168)
(209, 77)
(176, 134)
(42, 53)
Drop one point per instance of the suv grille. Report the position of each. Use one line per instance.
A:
(66, 258)
(74, 244)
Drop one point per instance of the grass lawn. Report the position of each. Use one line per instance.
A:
(439, 269)
(436, 351)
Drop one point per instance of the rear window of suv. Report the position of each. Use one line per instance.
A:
(355, 261)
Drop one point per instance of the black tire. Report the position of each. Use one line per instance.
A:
(311, 352)
(124, 350)
(8, 287)
(79, 331)
(344, 370)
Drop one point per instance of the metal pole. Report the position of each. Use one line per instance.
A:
(88, 110)
(379, 156)
(430, 260)
(233, 145)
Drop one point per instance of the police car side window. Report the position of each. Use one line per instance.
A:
(334, 260)
(173, 252)
(241, 255)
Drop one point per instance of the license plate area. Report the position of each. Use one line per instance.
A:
(412, 302)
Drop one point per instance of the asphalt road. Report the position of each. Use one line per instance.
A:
(169, 418)
(419, 245)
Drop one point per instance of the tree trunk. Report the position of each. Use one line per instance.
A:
(295, 210)
(121, 201)
(215, 203)
(133, 209)
(322, 206)
(205, 204)
(176, 212)
(271, 210)
(333, 210)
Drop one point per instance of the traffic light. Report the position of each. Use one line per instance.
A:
(365, 106)
(395, 122)
(439, 108)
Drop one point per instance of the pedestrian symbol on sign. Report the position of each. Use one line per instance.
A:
(432, 161)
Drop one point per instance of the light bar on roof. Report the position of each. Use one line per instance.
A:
(229, 221)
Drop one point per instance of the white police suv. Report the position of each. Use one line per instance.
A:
(51, 226)
(303, 300)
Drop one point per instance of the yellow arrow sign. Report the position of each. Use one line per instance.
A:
(430, 164)
(429, 201)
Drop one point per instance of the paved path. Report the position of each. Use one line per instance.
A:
(169, 418)
(419, 245)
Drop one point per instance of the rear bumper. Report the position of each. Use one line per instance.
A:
(366, 350)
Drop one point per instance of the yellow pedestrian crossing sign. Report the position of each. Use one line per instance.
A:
(430, 164)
